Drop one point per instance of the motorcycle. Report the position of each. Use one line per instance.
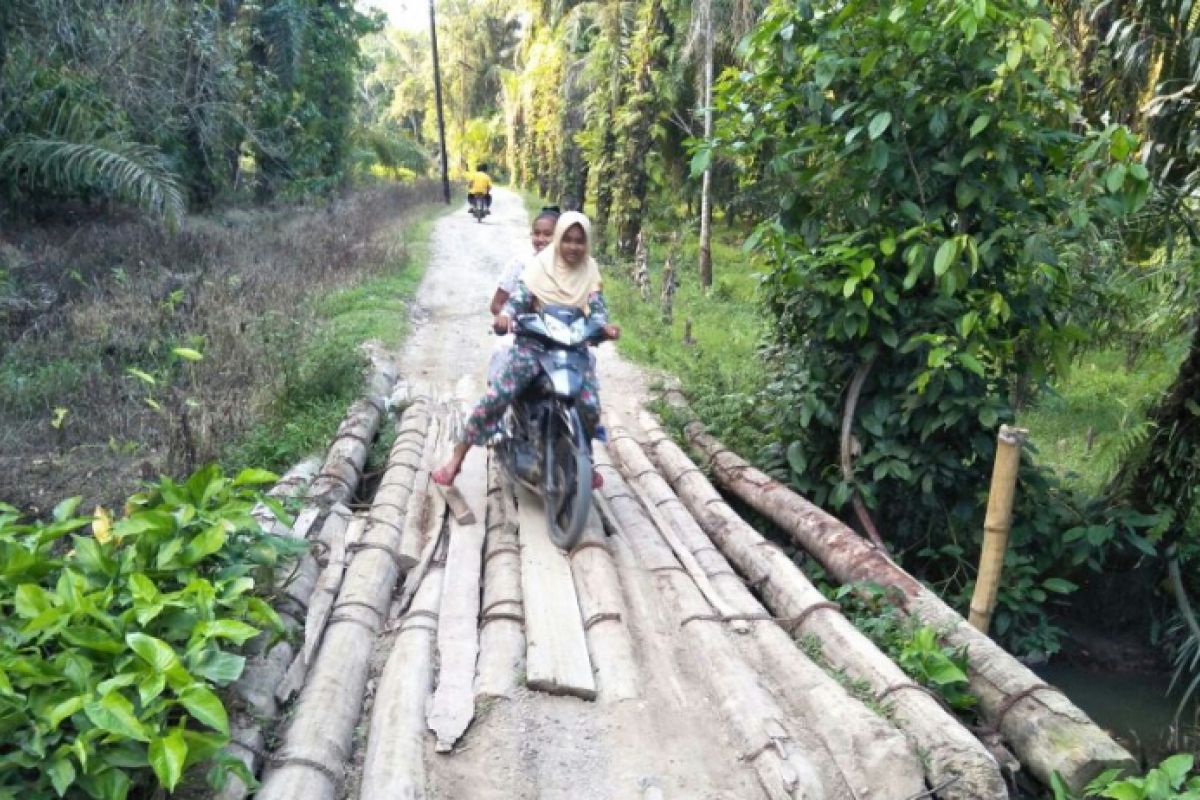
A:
(479, 208)
(544, 445)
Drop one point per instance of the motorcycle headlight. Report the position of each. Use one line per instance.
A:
(559, 331)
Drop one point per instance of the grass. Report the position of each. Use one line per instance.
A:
(326, 377)
(1105, 397)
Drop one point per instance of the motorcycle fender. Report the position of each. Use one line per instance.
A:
(566, 370)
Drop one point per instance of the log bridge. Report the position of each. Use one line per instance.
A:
(416, 625)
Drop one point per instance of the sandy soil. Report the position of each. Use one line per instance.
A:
(537, 745)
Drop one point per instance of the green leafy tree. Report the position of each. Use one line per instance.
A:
(937, 214)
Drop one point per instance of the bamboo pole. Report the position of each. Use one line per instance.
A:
(953, 757)
(394, 767)
(997, 524)
(502, 621)
(347, 455)
(604, 615)
(784, 770)
(256, 708)
(1045, 729)
(317, 745)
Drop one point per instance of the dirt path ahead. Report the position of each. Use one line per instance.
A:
(537, 745)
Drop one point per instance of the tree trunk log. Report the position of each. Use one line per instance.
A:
(783, 770)
(394, 768)
(318, 742)
(604, 616)
(867, 750)
(951, 751)
(502, 623)
(400, 490)
(417, 518)
(1046, 730)
(347, 455)
(257, 708)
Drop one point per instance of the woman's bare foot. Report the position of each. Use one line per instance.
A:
(445, 474)
(597, 479)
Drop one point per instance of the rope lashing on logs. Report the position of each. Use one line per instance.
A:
(354, 437)
(392, 554)
(358, 604)
(398, 623)
(335, 618)
(911, 686)
(1011, 700)
(488, 609)
(579, 548)
(791, 624)
(601, 616)
(297, 761)
(385, 523)
(502, 615)
(499, 551)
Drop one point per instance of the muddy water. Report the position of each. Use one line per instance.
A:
(1134, 707)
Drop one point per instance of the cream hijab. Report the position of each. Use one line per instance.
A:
(555, 282)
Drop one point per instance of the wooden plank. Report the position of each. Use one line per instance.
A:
(502, 621)
(453, 703)
(556, 655)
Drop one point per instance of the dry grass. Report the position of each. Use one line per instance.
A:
(83, 303)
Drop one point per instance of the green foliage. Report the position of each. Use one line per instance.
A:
(1168, 781)
(935, 206)
(113, 644)
(912, 645)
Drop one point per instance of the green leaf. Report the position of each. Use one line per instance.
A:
(144, 377)
(63, 710)
(972, 363)
(1014, 55)
(1058, 585)
(944, 672)
(167, 757)
(62, 774)
(114, 714)
(65, 509)
(796, 458)
(947, 253)
(988, 417)
(878, 124)
(887, 246)
(151, 687)
(701, 161)
(254, 477)
(30, 600)
(206, 707)
(1114, 178)
(890, 337)
(155, 652)
(187, 353)
(1177, 768)
(231, 629)
(218, 666)
(979, 124)
(206, 543)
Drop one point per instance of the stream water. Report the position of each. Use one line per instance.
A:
(1132, 706)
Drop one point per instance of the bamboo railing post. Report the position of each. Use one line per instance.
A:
(997, 524)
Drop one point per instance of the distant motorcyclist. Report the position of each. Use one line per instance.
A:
(480, 185)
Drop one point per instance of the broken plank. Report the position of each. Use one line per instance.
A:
(556, 655)
(453, 703)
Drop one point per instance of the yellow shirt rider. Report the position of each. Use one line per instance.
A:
(480, 184)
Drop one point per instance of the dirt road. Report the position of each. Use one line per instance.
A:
(537, 745)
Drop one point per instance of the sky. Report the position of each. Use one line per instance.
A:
(409, 14)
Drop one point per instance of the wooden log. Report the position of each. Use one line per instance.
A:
(256, 708)
(502, 621)
(1045, 729)
(556, 655)
(453, 703)
(394, 767)
(347, 454)
(782, 768)
(399, 495)
(997, 524)
(604, 616)
(318, 742)
(421, 504)
(954, 757)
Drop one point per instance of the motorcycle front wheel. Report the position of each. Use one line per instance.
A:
(567, 479)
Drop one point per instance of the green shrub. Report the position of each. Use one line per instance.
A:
(112, 644)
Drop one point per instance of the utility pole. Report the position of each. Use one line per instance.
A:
(437, 89)
(706, 276)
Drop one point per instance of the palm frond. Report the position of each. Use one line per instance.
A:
(282, 27)
(131, 172)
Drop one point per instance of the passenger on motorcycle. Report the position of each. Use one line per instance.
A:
(541, 235)
(480, 185)
(564, 274)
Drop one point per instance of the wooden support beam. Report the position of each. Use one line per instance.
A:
(556, 655)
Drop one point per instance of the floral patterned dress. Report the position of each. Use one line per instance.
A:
(521, 367)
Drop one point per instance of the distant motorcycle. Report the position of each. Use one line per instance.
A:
(479, 208)
(544, 445)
